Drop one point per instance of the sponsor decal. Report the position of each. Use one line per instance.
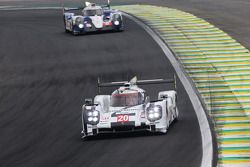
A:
(107, 23)
(104, 118)
(123, 118)
(88, 25)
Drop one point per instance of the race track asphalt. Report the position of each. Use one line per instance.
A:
(45, 76)
(232, 16)
(229, 15)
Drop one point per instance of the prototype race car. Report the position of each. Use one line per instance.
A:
(92, 18)
(129, 108)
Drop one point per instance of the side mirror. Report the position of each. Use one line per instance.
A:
(88, 101)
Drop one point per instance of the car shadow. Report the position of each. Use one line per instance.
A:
(122, 135)
(94, 33)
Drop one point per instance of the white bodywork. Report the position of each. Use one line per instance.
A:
(92, 19)
(69, 21)
(97, 21)
(130, 118)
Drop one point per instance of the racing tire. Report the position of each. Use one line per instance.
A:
(85, 129)
(83, 32)
(165, 131)
(65, 25)
(152, 127)
(85, 138)
(95, 132)
(162, 132)
(119, 29)
(75, 33)
(176, 115)
(169, 123)
(66, 31)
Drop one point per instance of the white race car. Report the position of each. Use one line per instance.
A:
(92, 18)
(129, 108)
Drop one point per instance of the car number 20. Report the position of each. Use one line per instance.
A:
(122, 118)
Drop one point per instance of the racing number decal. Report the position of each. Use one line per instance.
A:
(122, 118)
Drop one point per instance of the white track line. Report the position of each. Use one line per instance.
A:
(29, 8)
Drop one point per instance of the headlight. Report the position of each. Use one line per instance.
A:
(151, 116)
(95, 119)
(90, 119)
(156, 115)
(95, 113)
(116, 22)
(91, 115)
(80, 25)
(154, 112)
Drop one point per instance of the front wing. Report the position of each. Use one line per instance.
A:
(124, 126)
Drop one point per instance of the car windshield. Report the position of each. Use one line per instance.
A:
(93, 12)
(128, 99)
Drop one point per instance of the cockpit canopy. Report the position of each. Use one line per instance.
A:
(126, 99)
(93, 12)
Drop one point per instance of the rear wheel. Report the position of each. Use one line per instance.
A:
(64, 21)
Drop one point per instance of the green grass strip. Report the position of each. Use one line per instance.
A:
(233, 139)
(234, 158)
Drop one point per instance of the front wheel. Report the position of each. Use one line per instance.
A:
(67, 31)
(84, 131)
(120, 29)
(85, 138)
(74, 32)
(176, 114)
(163, 131)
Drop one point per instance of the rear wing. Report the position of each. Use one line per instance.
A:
(137, 82)
(72, 9)
(67, 9)
(85, 5)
